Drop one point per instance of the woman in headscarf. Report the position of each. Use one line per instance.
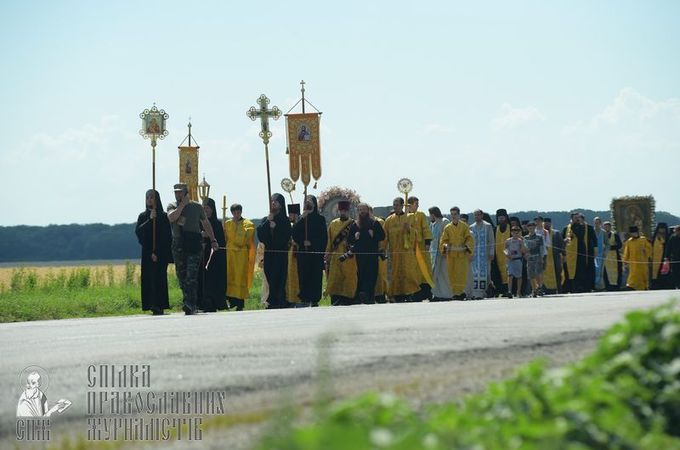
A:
(154, 262)
(212, 281)
(274, 232)
(311, 236)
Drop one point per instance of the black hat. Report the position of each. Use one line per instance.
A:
(633, 229)
(501, 212)
(343, 205)
(294, 208)
(662, 225)
(547, 219)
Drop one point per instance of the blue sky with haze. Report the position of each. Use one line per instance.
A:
(523, 105)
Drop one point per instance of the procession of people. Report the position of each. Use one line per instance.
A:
(405, 257)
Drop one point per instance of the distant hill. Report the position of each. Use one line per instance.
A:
(105, 242)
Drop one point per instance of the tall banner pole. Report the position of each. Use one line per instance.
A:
(153, 127)
(153, 186)
(404, 186)
(269, 178)
(263, 113)
(304, 148)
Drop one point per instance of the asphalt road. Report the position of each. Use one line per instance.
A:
(267, 351)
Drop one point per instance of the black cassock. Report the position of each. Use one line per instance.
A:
(155, 274)
(310, 259)
(584, 278)
(276, 254)
(212, 282)
(365, 250)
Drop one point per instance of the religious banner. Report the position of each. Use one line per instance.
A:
(304, 146)
(633, 211)
(188, 170)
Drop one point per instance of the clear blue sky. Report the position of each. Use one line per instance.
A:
(522, 105)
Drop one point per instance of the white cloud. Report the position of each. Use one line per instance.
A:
(509, 117)
(436, 128)
(631, 112)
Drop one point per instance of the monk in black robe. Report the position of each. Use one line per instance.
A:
(274, 232)
(364, 238)
(212, 281)
(584, 277)
(154, 263)
(311, 236)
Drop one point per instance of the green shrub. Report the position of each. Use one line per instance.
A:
(16, 283)
(79, 278)
(626, 395)
(130, 270)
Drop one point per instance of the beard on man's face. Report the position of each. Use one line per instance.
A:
(364, 219)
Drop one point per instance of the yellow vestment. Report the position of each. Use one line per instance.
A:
(501, 259)
(405, 274)
(610, 262)
(292, 280)
(636, 254)
(550, 279)
(657, 255)
(240, 240)
(460, 246)
(342, 275)
(421, 225)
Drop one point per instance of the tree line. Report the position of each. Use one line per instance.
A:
(24, 243)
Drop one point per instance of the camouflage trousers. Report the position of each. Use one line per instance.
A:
(187, 267)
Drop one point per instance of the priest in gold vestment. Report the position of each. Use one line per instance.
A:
(341, 283)
(458, 244)
(636, 254)
(239, 235)
(401, 236)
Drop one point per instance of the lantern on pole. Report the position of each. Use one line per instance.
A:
(204, 190)
(153, 127)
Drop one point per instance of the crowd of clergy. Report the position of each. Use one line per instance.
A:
(409, 256)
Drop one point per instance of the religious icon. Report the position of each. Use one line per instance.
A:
(153, 123)
(187, 167)
(303, 133)
(152, 126)
(633, 211)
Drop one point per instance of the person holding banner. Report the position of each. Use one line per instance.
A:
(154, 261)
(401, 248)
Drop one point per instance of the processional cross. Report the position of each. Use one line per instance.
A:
(264, 114)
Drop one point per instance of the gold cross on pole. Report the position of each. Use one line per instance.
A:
(264, 114)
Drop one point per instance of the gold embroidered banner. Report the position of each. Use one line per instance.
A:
(304, 147)
(188, 169)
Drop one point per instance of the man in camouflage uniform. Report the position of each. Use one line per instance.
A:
(186, 218)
